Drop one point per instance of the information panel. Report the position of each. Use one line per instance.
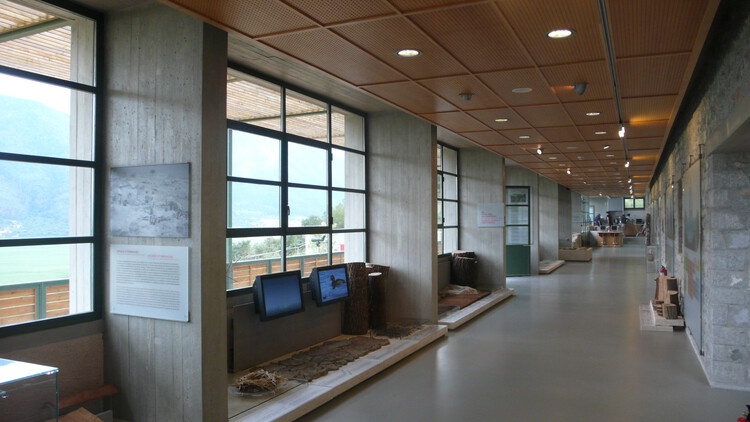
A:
(490, 215)
(517, 235)
(517, 215)
(149, 281)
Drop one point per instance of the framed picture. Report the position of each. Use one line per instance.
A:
(150, 201)
(516, 196)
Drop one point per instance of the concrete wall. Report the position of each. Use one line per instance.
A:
(716, 114)
(549, 217)
(165, 103)
(565, 215)
(403, 216)
(482, 181)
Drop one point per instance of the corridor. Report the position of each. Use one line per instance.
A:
(567, 347)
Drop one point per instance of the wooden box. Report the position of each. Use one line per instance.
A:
(575, 254)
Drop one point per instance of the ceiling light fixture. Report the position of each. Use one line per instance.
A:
(553, 158)
(501, 120)
(580, 87)
(560, 33)
(630, 180)
(627, 164)
(606, 146)
(539, 150)
(568, 170)
(524, 137)
(610, 155)
(409, 52)
(521, 90)
(621, 132)
(600, 132)
(593, 113)
(466, 96)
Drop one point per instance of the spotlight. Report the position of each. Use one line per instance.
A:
(539, 150)
(621, 132)
(606, 146)
(568, 171)
(627, 164)
(630, 180)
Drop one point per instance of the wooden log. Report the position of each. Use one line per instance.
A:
(670, 311)
(464, 271)
(378, 284)
(355, 318)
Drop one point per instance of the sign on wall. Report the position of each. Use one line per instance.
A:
(149, 281)
(490, 215)
(691, 217)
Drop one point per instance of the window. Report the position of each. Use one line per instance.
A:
(296, 181)
(637, 203)
(447, 202)
(48, 167)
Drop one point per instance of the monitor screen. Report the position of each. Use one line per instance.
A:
(329, 284)
(278, 294)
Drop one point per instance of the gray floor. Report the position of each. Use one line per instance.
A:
(567, 348)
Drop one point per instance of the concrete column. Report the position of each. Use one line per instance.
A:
(403, 215)
(166, 103)
(483, 181)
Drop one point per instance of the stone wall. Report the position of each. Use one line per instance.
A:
(713, 121)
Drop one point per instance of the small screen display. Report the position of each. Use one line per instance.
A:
(281, 294)
(333, 284)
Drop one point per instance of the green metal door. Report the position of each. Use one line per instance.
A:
(517, 260)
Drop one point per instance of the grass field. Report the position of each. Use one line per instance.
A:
(21, 264)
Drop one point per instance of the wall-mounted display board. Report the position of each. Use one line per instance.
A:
(149, 281)
(490, 215)
(150, 201)
(691, 218)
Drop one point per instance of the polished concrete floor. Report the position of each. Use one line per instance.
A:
(568, 347)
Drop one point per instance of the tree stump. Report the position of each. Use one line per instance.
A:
(464, 269)
(670, 311)
(355, 318)
(378, 281)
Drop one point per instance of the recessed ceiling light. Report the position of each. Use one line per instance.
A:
(571, 147)
(610, 155)
(561, 165)
(409, 52)
(613, 162)
(560, 33)
(524, 137)
(501, 120)
(581, 157)
(553, 158)
(606, 146)
(521, 90)
(600, 132)
(593, 113)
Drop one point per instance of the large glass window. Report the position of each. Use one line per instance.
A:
(296, 181)
(447, 203)
(636, 203)
(48, 168)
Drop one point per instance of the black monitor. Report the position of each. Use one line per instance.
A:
(278, 294)
(329, 284)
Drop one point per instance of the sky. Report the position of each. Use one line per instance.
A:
(52, 96)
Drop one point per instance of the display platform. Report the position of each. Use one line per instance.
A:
(546, 267)
(459, 317)
(298, 398)
(651, 321)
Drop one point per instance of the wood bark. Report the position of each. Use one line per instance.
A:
(378, 284)
(355, 319)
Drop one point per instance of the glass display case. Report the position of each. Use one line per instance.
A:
(28, 392)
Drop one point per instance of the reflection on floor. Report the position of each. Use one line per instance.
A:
(568, 347)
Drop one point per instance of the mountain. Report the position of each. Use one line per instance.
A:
(33, 197)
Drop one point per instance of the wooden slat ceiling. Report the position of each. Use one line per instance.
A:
(34, 40)
(489, 48)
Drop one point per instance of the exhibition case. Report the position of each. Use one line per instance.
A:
(28, 392)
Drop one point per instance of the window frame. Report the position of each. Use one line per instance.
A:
(625, 202)
(284, 230)
(96, 164)
(441, 200)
